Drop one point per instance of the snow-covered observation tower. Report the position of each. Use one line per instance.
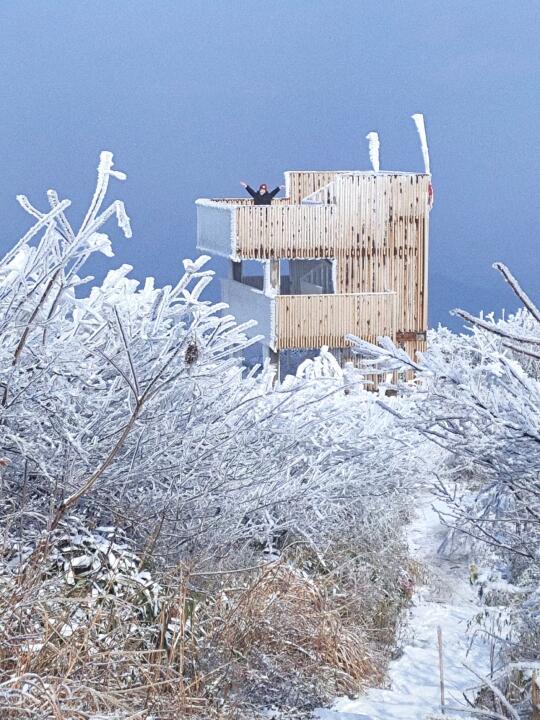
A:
(343, 252)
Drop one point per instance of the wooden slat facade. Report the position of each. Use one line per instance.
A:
(301, 183)
(377, 231)
(286, 231)
(309, 321)
(385, 220)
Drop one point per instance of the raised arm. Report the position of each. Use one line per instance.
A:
(249, 189)
(275, 191)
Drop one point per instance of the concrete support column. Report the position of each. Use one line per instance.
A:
(236, 270)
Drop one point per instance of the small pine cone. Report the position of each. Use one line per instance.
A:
(192, 353)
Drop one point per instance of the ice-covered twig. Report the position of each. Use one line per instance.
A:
(495, 690)
(46, 219)
(385, 357)
(105, 171)
(519, 292)
(494, 328)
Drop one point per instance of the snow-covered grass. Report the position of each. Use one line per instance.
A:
(443, 599)
(104, 633)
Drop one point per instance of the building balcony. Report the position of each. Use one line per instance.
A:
(304, 322)
(354, 214)
(263, 232)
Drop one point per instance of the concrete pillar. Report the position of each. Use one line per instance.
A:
(236, 270)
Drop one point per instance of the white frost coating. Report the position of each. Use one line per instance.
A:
(334, 274)
(287, 184)
(93, 220)
(323, 366)
(268, 290)
(233, 234)
(272, 335)
(323, 196)
(374, 146)
(420, 126)
(216, 228)
(205, 202)
(248, 303)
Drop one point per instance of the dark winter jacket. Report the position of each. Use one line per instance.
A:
(259, 199)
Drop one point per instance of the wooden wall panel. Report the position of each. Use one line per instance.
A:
(309, 321)
(286, 231)
(301, 183)
(385, 220)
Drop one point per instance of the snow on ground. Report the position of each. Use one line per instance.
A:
(447, 600)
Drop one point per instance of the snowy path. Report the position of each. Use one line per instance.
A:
(447, 600)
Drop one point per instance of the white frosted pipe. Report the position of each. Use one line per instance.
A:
(374, 150)
(420, 126)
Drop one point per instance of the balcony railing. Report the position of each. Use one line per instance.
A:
(310, 321)
(286, 231)
(249, 201)
(267, 231)
(372, 213)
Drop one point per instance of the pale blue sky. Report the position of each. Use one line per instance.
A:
(194, 96)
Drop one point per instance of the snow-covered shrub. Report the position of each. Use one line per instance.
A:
(145, 477)
(130, 403)
(477, 396)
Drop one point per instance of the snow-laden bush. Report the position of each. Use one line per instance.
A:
(130, 403)
(162, 507)
(477, 396)
(97, 389)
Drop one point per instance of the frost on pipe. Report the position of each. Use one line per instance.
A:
(421, 128)
(374, 146)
